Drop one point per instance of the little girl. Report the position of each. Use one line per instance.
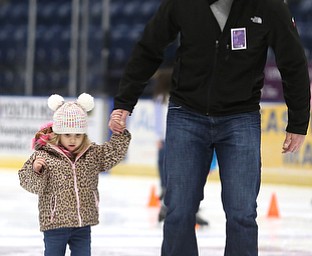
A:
(64, 172)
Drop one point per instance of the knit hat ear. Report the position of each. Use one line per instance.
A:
(86, 101)
(55, 101)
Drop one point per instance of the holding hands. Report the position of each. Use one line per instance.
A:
(118, 120)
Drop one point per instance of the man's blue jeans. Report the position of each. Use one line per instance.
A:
(78, 239)
(190, 140)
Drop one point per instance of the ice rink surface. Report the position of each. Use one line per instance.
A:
(129, 227)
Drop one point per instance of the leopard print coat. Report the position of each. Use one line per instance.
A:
(67, 191)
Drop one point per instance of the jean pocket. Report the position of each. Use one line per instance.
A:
(173, 106)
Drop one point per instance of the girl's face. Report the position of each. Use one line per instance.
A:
(71, 141)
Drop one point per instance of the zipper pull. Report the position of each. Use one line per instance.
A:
(217, 44)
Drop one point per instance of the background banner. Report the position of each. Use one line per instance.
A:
(274, 121)
(21, 118)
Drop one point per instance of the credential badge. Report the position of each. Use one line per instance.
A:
(238, 38)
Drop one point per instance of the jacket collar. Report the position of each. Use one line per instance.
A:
(212, 1)
(236, 10)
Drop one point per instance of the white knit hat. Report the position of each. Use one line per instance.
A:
(70, 117)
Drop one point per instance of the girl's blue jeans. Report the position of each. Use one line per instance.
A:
(78, 240)
(190, 141)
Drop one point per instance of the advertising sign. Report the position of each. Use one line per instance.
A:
(21, 118)
(274, 121)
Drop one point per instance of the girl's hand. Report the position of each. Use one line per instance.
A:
(38, 164)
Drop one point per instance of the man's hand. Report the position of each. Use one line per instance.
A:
(118, 120)
(292, 142)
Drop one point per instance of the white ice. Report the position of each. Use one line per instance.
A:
(128, 227)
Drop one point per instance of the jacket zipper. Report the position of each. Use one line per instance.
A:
(77, 194)
(76, 185)
(217, 45)
(73, 165)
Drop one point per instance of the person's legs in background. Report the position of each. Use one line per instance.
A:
(160, 166)
(161, 172)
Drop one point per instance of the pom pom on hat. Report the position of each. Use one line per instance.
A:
(55, 101)
(86, 101)
(70, 117)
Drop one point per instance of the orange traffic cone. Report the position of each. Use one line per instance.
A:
(273, 208)
(154, 199)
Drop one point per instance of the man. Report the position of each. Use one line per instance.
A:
(214, 104)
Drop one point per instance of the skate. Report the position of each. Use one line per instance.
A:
(200, 221)
(163, 211)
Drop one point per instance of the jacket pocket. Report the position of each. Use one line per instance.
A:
(96, 200)
(52, 207)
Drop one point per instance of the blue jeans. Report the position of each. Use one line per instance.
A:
(78, 239)
(190, 141)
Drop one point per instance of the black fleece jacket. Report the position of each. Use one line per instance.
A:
(210, 77)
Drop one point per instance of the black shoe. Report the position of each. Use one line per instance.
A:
(162, 213)
(200, 221)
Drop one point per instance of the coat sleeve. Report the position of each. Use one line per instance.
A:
(30, 180)
(292, 64)
(147, 55)
(114, 151)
